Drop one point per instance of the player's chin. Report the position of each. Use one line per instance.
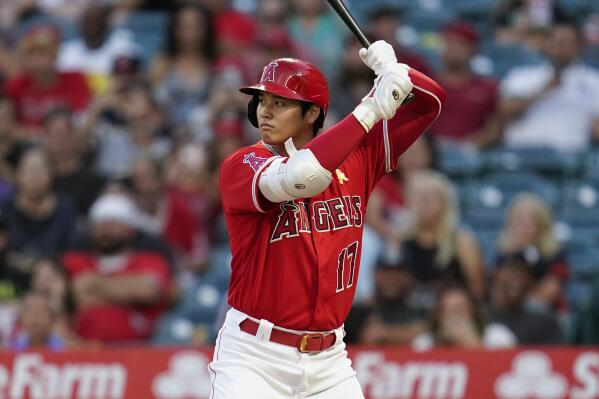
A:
(271, 138)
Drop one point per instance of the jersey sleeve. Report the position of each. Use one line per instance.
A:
(238, 180)
(389, 139)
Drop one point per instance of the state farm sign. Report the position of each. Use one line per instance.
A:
(557, 373)
(31, 377)
(409, 379)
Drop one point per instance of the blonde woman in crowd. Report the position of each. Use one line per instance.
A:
(527, 235)
(437, 250)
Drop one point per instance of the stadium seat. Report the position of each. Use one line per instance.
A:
(506, 56)
(580, 208)
(488, 197)
(149, 32)
(582, 254)
(458, 163)
(591, 164)
(471, 7)
(429, 20)
(546, 161)
(174, 330)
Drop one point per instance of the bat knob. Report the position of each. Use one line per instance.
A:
(408, 98)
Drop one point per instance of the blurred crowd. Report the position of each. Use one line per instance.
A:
(116, 114)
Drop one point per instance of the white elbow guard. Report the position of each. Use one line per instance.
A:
(301, 176)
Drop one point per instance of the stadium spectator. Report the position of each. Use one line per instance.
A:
(384, 23)
(51, 280)
(386, 215)
(436, 249)
(229, 136)
(97, 48)
(510, 287)
(181, 73)
(13, 282)
(190, 181)
(235, 34)
(36, 323)
(470, 115)
(527, 235)
(225, 102)
(73, 177)
(394, 317)
(40, 86)
(166, 215)
(8, 62)
(119, 292)
(312, 25)
(11, 146)
(523, 21)
(458, 322)
(127, 123)
(353, 81)
(39, 222)
(554, 104)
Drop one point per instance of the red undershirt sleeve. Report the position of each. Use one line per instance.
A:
(336, 143)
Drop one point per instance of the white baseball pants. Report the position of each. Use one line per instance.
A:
(251, 367)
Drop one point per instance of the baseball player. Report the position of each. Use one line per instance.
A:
(294, 206)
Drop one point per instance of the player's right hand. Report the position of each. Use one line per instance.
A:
(378, 56)
(389, 91)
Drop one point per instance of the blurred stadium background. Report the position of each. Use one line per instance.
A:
(114, 118)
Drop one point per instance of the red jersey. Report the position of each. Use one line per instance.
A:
(114, 322)
(296, 263)
(32, 102)
(468, 108)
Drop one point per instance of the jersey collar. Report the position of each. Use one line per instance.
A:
(270, 148)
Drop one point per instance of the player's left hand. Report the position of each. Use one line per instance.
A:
(378, 56)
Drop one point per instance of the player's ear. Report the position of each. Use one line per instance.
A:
(312, 114)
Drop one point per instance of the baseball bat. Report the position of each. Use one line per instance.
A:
(349, 20)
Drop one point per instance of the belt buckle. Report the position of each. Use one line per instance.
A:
(304, 342)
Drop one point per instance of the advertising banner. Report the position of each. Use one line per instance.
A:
(384, 373)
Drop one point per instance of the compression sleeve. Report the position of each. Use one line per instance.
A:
(336, 143)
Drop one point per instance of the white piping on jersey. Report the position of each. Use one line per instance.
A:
(270, 148)
(387, 149)
(255, 180)
(388, 166)
(435, 97)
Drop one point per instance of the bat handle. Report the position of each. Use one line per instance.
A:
(363, 39)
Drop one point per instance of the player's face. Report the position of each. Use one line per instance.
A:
(279, 118)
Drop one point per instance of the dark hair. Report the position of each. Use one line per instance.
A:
(477, 316)
(207, 46)
(56, 266)
(318, 122)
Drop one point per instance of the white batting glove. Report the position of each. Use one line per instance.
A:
(379, 55)
(389, 91)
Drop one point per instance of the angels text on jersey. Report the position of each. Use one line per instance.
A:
(296, 217)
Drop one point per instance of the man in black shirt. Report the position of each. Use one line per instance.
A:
(512, 282)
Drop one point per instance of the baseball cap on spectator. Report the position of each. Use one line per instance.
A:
(115, 208)
(235, 27)
(462, 30)
(43, 37)
(274, 39)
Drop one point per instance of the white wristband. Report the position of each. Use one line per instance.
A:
(366, 113)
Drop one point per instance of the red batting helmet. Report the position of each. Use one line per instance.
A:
(290, 78)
